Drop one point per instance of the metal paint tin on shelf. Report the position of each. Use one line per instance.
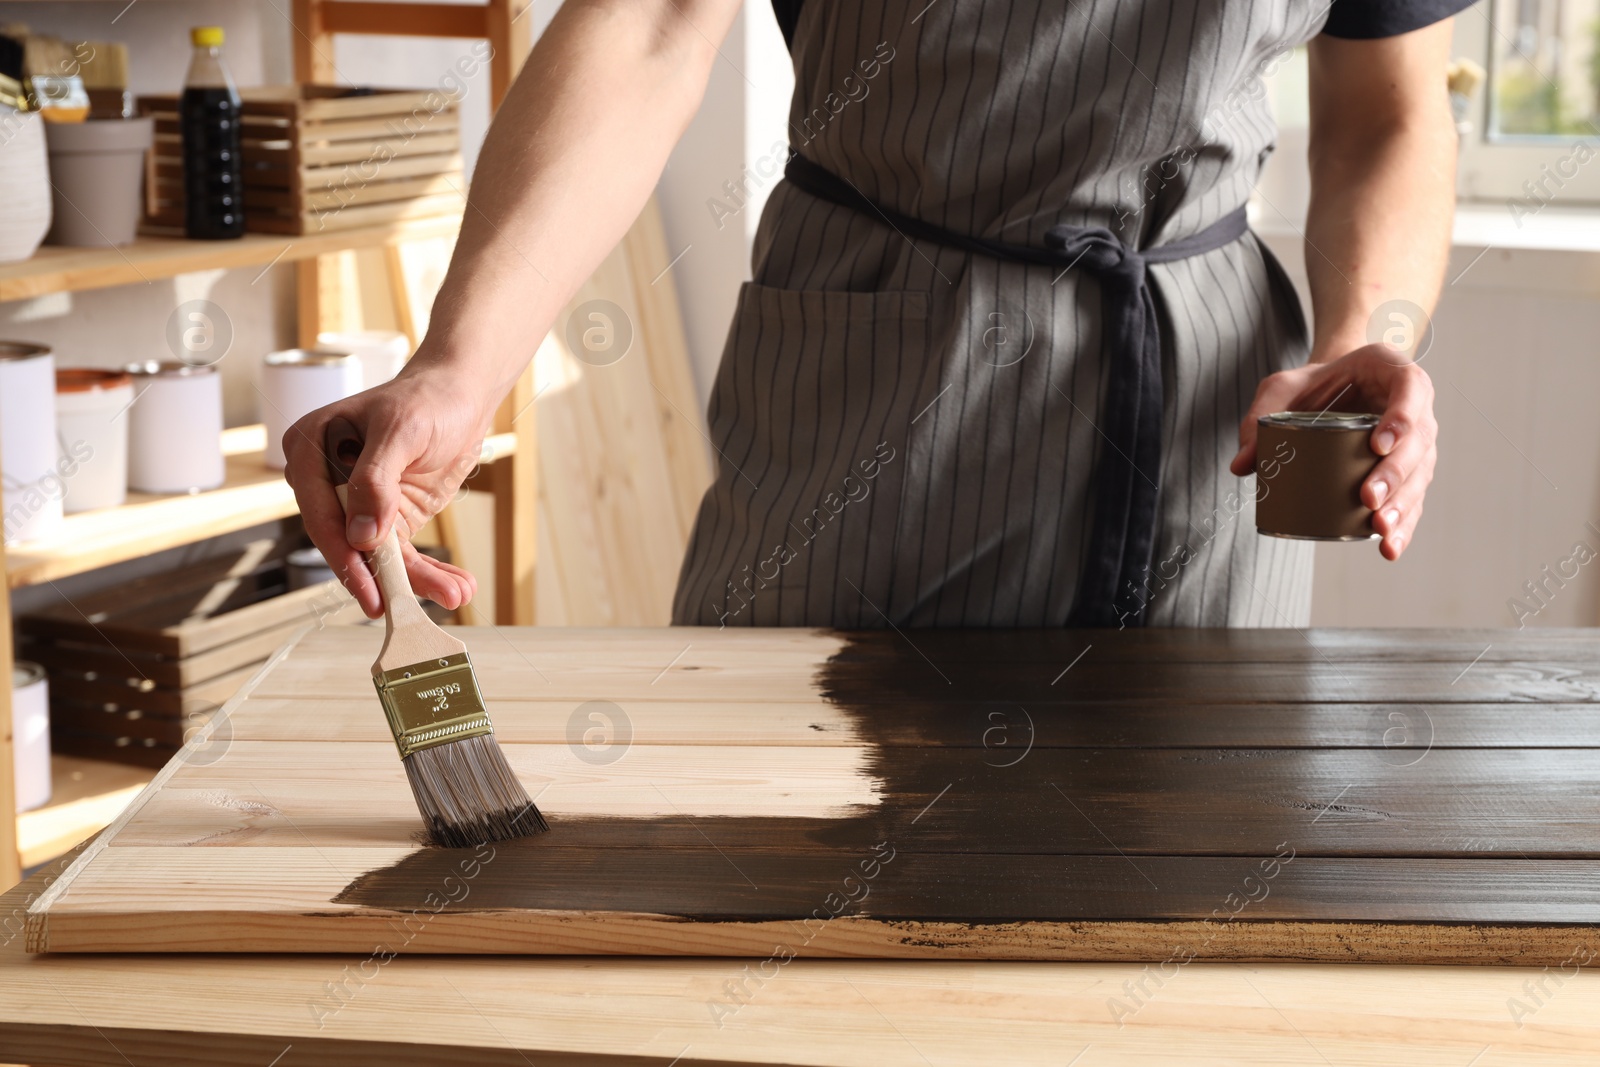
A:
(92, 436)
(308, 568)
(382, 352)
(298, 381)
(1309, 470)
(175, 428)
(33, 487)
(30, 734)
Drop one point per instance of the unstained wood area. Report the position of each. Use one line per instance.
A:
(1164, 795)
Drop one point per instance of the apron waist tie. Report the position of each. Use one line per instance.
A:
(1126, 482)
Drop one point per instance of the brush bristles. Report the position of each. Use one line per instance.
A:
(468, 795)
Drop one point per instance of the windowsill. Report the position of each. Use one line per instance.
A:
(1485, 224)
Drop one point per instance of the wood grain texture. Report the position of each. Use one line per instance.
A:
(623, 456)
(59, 269)
(109, 1010)
(1001, 796)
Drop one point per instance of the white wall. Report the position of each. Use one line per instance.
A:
(745, 113)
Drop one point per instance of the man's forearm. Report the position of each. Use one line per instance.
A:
(570, 160)
(1382, 188)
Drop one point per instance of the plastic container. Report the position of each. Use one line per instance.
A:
(92, 436)
(97, 170)
(24, 185)
(175, 428)
(382, 352)
(33, 486)
(298, 381)
(30, 734)
(208, 116)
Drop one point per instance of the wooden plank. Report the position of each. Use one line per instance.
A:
(386, 130)
(655, 298)
(175, 673)
(1454, 803)
(118, 697)
(106, 1010)
(55, 269)
(312, 42)
(528, 901)
(412, 20)
(619, 470)
(515, 484)
(1197, 683)
(1404, 731)
(510, 35)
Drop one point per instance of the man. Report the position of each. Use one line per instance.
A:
(1008, 334)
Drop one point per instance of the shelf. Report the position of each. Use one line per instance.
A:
(88, 796)
(147, 523)
(58, 270)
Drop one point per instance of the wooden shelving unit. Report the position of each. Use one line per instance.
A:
(252, 494)
(58, 270)
(150, 523)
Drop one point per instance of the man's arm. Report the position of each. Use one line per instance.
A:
(1383, 172)
(1383, 152)
(568, 163)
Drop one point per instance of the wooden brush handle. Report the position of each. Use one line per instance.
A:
(342, 445)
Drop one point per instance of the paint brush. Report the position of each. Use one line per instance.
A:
(462, 783)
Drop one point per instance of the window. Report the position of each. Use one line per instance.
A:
(1535, 128)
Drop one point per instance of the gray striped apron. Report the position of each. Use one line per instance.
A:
(914, 431)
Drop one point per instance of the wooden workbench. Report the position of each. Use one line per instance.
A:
(1488, 698)
(421, 1011)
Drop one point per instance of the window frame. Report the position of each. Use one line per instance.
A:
(1497, 171)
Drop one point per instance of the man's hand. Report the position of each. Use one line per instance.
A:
(423, 438)
(1377, 379)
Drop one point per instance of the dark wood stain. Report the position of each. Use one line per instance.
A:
(1088, 809)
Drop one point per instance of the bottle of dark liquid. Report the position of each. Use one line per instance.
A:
(213, 184)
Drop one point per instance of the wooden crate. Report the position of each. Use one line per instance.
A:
(317, 160)
(135, 669)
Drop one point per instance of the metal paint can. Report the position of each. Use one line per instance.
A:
(93, 435)
(298, 381)
(307, 568)
(382, 352)
(175, 428)
(33, 487)
(30, 734)
(1309, 470)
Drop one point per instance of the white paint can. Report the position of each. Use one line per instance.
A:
(382, 352)
(33, 487)
(30, 734)
(175, 428)
(92, 436)
(298, 381)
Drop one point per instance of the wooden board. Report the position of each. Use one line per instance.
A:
(112, 1010)
(1212, 794)
(623, 456)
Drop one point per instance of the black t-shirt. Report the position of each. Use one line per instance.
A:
(1360, 19)
(1368, 19)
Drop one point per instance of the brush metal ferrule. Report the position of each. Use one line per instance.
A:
(432, 703)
